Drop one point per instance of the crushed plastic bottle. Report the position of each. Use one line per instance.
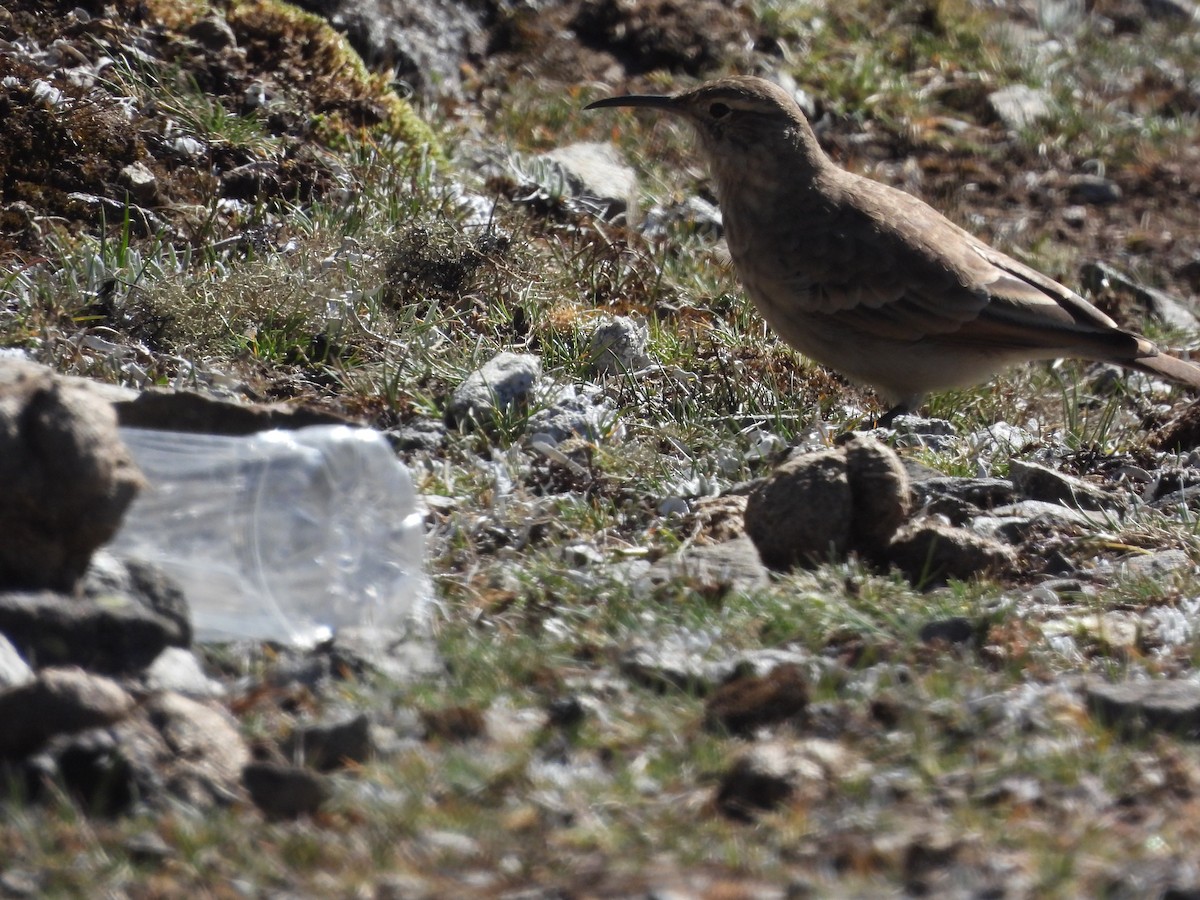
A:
(280, 535)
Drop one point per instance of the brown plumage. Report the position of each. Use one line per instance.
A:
(868, 280)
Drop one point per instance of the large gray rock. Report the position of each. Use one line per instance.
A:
(501, 387)
(67, 477)
(592, 175)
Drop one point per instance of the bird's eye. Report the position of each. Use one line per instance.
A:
(718, 110)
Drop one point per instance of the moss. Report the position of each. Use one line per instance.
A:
(349, 101)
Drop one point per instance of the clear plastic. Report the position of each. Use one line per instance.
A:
(280, 535)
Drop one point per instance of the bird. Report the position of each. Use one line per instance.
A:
(871, 281)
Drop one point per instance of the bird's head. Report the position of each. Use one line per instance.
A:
(737, 118)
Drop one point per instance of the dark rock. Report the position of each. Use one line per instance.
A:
(285, 792)
(110, 580)
(454, 723)
(1092, 189)
(1138, 706)
(880, 493)
(58, 701)
(67, 477)
(327, 746)
(117, 636)
(801, 514)
(818, 506)
(1037, 482)
(980, 493)
(1180, 434)
(94, 771)
(170, 410)
(420, 434)
(565, 712)
(955, 630)
(929, 552)
(212, 32)
(750, 702)
(663, 34)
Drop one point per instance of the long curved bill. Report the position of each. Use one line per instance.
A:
(652, 101)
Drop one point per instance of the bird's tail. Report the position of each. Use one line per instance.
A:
(1175, 369)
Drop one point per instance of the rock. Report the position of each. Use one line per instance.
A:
(327, 746)
(58, 701)
(111, 581)
(1180, 434)
(1013, 523)
(821, 505)
(1098, 277)
(502, 387)
(591, 175)
(424, 43)
(1158, 564)
(171, 410)
(178, 670)
(422, 433)
(915, 431)
(568, 411)
(749, 702)
(285, 792)
(205, 753)
(714, 569)
(212, 32)
(13, 669)
(114, 636)
(141, 183)
(618, 346)
(454, 723)
(881, 498)
(401, 655)
(960, 499)
(1092, 189)
(1037, 482)
(930, 552)
(1018, 106)
(801, 514)
(667, 665)
(775, 773)
(955, 630)
(695, 215)
(1136, 706)
(67, 477)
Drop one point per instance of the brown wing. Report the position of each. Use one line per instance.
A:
(888, 265)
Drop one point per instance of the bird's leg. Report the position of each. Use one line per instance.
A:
(886, 420)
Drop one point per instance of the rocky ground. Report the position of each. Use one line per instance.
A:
(692, 627)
